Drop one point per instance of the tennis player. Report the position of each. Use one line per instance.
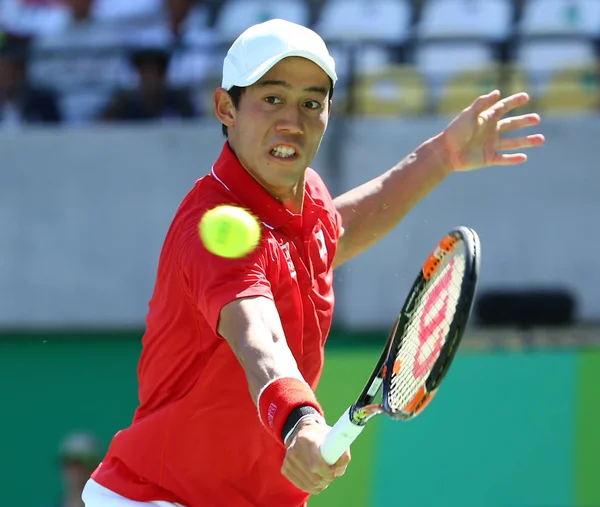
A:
(233, 349)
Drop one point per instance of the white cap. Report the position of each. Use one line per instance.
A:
(263, 45)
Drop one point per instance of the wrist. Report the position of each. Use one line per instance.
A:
(283, 402)
(298, 418)
(439, 158)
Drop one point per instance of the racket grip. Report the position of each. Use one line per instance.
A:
(343, 433)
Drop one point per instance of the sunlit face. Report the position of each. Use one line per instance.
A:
(11, 75)
(279, 124)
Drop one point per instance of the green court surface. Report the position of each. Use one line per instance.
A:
(506, 429)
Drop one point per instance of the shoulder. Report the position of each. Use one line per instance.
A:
(319, 192)
(207, 194)
(314, 180)
(318, 189)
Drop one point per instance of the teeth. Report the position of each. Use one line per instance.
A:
(283, 151)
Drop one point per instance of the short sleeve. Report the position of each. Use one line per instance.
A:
(212, 281)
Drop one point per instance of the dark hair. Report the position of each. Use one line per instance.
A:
(236, 92)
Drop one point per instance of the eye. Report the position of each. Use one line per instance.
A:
(273, 100)
(313, 104)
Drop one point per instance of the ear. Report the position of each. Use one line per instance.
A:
(224, 108)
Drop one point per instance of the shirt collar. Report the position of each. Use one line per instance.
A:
(231, 174)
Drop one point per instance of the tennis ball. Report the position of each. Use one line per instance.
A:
(229, 231)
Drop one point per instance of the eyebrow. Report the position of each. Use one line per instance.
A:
(285, 84)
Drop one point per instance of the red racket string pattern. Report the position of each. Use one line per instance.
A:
(422, 365)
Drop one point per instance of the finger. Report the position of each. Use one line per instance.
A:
(520, 143)
(340, 470)
(514, 102)
(342, 464)
(297, 480)
(509, 159)
(518, 122)
(302, 480)
(484, 102)
(502, 107)
(319, 466)
(309, 472)
(310, 477)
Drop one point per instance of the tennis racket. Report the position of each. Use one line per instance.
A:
(422, 343)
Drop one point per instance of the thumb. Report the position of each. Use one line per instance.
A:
(342, 464)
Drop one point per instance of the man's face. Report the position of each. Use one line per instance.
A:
(11, 74)
(280, 122)
(152, 77)
(80, 8)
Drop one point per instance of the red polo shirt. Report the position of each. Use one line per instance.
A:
(196, 438)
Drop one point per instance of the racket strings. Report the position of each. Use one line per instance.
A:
(426, 331)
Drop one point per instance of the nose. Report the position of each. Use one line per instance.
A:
(291, 121)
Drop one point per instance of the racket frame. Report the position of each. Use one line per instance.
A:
(354, 419)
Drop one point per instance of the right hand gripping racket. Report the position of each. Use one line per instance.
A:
(422, 343)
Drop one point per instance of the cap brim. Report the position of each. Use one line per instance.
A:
(258, 72)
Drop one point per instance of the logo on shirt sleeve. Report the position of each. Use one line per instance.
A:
(288, 258)
(322, 245)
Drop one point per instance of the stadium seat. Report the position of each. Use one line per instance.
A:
(560, 17)
(138, 19)
(487, 19)
(395, 91)
(80, 105)
(32, 19)
(550, 55)
(131, 11)
(464, 87)
(237, 15)
(197, 59)
(440, 61)
(543, 58)
(365, 20)
(572, 91)
(82, 62)
(365, 27)
(447, 58)
(369, 59)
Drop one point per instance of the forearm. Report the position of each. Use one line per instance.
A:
(264, 365)
(370, 211)
(265, 360)
(255, 334)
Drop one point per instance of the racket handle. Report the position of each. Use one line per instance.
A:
(343, 433)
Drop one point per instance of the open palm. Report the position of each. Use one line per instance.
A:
(475, 139)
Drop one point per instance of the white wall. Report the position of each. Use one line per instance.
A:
(83, 214)
(538, 222)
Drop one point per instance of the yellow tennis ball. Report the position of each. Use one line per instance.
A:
(229, 231)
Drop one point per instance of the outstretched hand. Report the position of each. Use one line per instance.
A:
(474, 139)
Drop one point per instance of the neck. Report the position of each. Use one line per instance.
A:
(291, 196)
(292, 199)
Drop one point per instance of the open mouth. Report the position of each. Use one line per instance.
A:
(284, 153)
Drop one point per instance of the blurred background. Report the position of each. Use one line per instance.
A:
(105, 123)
